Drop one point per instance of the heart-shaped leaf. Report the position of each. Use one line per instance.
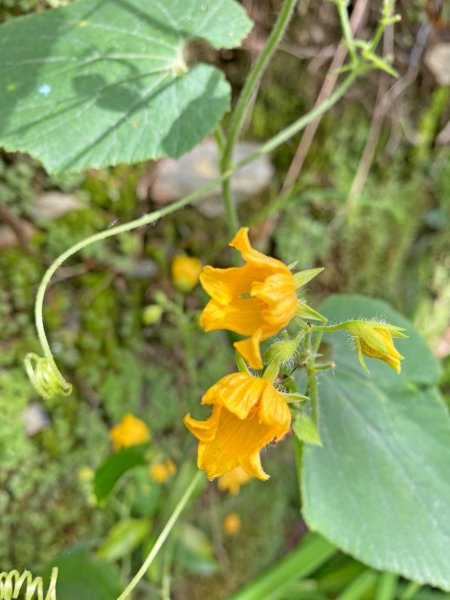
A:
(102, 82)
(379, 487)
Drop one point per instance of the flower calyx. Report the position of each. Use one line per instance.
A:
(374, 339)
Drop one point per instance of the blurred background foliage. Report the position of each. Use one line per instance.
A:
(390, 240)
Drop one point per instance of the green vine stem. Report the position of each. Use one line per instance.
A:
(162, 537)
(342, 8)
(43, 372)
(243, 104)
(15, 584)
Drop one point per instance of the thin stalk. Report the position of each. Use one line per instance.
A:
(298, 444)
(387, 586)
(359, 588)
(342, 6)
(166, 576)
(305, 559)
(410, 591)
(312, 389)
(219, 136)
(328, 328)
(243, 104)
(317, 341)
(231, 215)
(161, 538)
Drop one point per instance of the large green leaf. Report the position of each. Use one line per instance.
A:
(101, 82)
(379, 488)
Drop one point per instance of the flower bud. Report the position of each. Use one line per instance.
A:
(151, 315)
(374, 339)
(281, 351)
(232, 524)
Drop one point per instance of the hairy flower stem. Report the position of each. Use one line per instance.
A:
(162, 537)
(312, 380)
(243, 105)
(312, 390)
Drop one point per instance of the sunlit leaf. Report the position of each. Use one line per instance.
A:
(98, 83)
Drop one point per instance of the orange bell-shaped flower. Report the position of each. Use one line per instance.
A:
(248, 413)
(255, 300)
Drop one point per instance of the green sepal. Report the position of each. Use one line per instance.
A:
(272, 370)
(240, 363)
(306, 312)
(294, 397)
(360, 355)
(303, 277)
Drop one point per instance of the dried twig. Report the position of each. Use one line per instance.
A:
(328, 86)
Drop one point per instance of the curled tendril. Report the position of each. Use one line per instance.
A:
(11, 585)
(45, 377)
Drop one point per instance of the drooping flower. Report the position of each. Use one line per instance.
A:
(232, 524)
(129, 432)
(185, 272)
(255, 300)
(231, 482)
(248, 413)
(374, 339)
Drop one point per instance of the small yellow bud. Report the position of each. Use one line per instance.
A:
(232, 524)
(185, 272)
(374, 339)
(129, 432)
(163, 471)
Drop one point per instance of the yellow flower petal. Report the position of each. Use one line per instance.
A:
(249, 350)
(231, 482)
(250, 255)
(225, 284)
(203, 430)
(274, 411)
(237, 442)
(238, 393)
(255, 300)
(242, 315)
(247, 414)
